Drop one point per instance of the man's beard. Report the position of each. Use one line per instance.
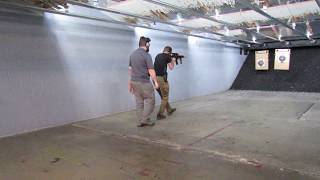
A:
(147, 49)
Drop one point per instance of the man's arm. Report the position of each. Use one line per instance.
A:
(130, 88)
(171, 64)
(153, 77)
(151, 71)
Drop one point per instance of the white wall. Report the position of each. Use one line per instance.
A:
(56, 70)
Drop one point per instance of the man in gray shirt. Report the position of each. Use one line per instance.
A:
(140, 70)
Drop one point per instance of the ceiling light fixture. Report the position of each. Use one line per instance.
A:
(192, 40)
(217, 12)
(227, 31)
(140, 31)
(218, 3)
(309, 34)
(258, 28)
(95, 2)
(179, 18)
(254, 38)
(62, 8)
(294, 25)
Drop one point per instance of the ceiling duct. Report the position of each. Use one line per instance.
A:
(48, 4)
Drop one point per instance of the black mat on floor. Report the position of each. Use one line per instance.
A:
(303, 76)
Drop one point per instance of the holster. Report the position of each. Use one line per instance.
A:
(165, 78)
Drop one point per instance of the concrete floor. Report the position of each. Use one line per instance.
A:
(232, 135)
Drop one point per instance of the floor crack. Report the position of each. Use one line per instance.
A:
(305, 111)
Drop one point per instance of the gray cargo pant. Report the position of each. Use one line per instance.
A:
(145, 100)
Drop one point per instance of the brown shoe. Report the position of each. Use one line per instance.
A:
(141, 125)
(160, 116)
(172, 111)
(146, 124)
(151, 124)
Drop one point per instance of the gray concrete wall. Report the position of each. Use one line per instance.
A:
(56, 70)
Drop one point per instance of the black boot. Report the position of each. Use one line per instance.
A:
(172, 111)
(160, 116)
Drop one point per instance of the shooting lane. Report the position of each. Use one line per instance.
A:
(66, 112)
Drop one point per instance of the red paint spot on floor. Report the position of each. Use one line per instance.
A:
(144, 172)
(256, 164)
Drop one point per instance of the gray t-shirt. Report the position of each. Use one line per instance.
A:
(140, 62)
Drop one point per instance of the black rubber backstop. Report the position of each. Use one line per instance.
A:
(303, 76)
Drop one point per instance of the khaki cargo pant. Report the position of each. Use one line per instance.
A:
(145, 100)
(164, 89)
